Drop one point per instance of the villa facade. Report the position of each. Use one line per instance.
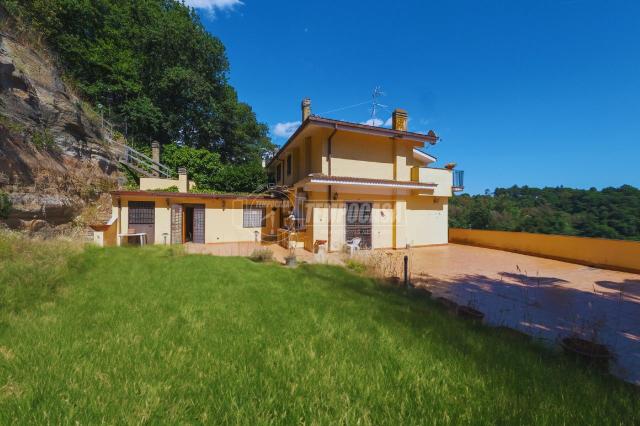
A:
(330, 183)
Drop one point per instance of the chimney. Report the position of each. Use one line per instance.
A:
(306, 108)
(155, 155)
(399, 119)
(183, 180)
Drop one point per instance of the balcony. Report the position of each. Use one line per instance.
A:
(458, 180)
(447, 181)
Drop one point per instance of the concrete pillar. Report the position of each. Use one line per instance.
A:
(155, 154)
(183, 180)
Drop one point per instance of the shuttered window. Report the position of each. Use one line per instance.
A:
(141, 212)
(253, 217)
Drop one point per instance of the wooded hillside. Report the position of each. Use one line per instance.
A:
(606, 213)
(152, 68)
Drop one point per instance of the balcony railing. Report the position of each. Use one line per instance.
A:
(458, 180)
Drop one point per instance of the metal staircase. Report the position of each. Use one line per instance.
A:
(132, 158)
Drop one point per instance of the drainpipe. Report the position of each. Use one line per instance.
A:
(335, 130)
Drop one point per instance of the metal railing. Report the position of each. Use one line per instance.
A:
(458, 179)
(133, 158)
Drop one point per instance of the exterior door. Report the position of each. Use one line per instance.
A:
(142, 219)
(176, 224)
(359, 223)
(198, 224)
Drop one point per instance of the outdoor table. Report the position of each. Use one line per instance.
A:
(141, 235)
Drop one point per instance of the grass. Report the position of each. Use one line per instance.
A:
(154, 336)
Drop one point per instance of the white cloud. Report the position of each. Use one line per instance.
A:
(284, 130)
(212, 5)
(389, 122)
(373, 122)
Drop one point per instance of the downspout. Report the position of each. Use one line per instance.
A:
(329, 141)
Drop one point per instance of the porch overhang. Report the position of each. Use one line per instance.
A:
(366, 185)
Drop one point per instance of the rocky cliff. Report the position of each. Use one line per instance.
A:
(54, 164)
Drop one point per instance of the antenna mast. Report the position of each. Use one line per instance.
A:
(377, 92)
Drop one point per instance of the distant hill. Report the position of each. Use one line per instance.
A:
(607, 213)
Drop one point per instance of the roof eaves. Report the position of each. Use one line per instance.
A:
(346, 125)
(164, 194)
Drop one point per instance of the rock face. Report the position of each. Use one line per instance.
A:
(53, 161)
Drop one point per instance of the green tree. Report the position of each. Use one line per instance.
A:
(156, 70)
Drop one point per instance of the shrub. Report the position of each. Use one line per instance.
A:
(5, 205)
(261, 255)
(355, 266)
(169, 189)
(43, 139)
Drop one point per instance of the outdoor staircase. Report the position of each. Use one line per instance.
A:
(132, 158)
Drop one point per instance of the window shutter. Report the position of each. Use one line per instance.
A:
(176, 224)
(198, 224)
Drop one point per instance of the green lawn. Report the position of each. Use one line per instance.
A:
(152, 336)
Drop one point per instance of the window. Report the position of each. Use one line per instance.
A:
(141, 212)
(253, 217)
(278, 173)
(289, 165)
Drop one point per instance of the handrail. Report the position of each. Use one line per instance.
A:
(131, 155)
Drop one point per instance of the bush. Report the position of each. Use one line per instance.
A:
(261, 255)
(5, 205)
(169, 189)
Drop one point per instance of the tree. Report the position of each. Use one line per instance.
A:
(158, 72)
(609, 213)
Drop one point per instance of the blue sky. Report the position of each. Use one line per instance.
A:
(535, 92)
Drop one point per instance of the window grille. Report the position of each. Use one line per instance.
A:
(141, 212)
(253, 217)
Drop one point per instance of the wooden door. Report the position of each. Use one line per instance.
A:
(142, 220)
(359, 223)
(198, 224)
(176, 224)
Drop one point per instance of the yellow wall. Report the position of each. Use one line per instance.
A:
(223, 218)
(427, 220)
(615, 254)
(149, 184)
(419, 220)
(358, 155)
(352, 154)
(442, 177)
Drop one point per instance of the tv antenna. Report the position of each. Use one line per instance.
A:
(375, 105)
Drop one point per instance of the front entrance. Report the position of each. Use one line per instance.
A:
(187, 223)
(359, 223)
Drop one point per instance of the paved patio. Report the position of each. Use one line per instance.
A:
(545, 298)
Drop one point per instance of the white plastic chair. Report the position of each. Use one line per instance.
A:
(353, 245)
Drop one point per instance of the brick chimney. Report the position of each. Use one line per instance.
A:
(183, 180)
(155, 155)
(399, 119)
(306, 108)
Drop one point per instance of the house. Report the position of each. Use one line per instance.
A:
(351, 180)
(331, 182)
